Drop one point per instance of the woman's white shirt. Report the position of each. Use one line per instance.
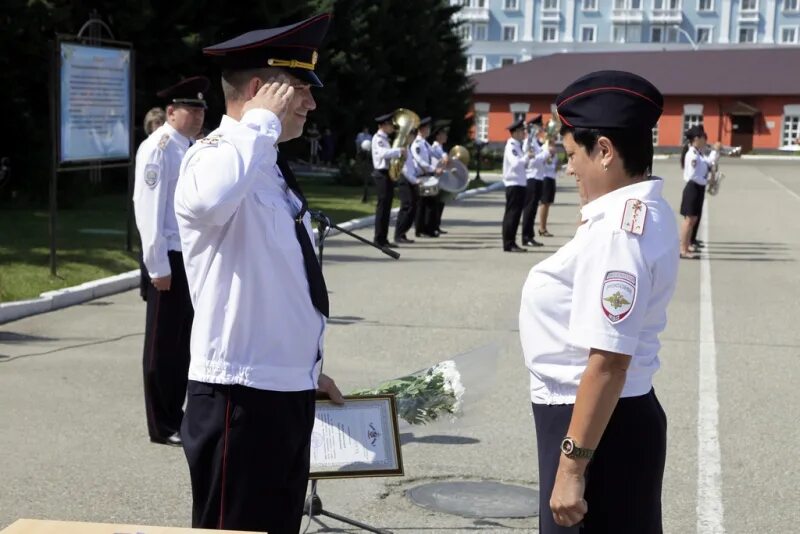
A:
(695, 167)
(608, 289)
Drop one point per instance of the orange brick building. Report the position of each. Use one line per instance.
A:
(748, 98)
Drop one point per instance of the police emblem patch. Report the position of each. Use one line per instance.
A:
(151, 172)
(694, 163)
(618, 295)
(417, 149)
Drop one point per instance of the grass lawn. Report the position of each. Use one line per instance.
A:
(91, 239)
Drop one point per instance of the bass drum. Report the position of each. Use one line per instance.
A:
(429, 187)
(453, 180)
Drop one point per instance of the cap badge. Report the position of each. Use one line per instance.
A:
(314, 57)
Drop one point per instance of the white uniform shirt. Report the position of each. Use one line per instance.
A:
(437, 153)
(514, 162)
(606, 289)
(695, 167)
(532, 144)
(382, 151)
(410, 171)
(158, 161)
(422, 156)
(254, 322)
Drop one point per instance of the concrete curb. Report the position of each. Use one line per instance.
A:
(69, 296)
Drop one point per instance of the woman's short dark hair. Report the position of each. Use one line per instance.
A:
(635, 146)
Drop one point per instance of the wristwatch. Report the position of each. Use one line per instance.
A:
(571, 449)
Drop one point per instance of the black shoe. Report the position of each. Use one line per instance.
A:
(403, 240)
(441, 231)
(698, 244)
(532, 243)
(515, 248)
(174, 440)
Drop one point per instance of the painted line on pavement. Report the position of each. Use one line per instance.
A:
(773, 180)
(709, 464)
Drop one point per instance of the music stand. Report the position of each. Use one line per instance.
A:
(313, 504)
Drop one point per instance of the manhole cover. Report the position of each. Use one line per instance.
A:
(477, 499)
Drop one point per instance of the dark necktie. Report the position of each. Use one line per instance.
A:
(316, 282)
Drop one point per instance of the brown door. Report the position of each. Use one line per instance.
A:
(742, 127)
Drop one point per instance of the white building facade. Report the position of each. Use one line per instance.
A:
(502, 32)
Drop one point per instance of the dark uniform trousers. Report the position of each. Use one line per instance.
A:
(409, 204)
(165, 363)
(624, 478)
(425, 221)
(533, 194)
(249, 453)
(515, 202)
(384, 187)
(439, 212)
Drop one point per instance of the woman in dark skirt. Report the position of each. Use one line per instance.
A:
(695, 174)
(591, 315)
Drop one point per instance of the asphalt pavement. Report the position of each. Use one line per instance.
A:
(74, 441)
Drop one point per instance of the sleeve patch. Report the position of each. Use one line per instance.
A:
(151, 173)
(694, 163)
(418, 149)
(618, 295)
(514, 151)
(162, 143)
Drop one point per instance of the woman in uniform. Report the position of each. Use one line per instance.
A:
(549, 168)
(695, 173)
(591, 315)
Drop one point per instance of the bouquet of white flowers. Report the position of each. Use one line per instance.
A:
(424, 396)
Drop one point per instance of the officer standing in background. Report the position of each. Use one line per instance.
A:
(382, 154)
(260, 298)
(533, 188)
(440, 158)
(408, 191)
(428, 211)
(169, 308)
(514, 162)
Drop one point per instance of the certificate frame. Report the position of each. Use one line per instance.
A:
(385, 409)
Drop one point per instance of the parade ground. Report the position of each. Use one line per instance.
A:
(74, 440)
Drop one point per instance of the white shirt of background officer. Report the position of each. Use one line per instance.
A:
(695, 164)
(515, 160)
(158, 162)
(382, 151)
(421, 153)
(440, 157)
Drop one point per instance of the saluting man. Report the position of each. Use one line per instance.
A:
(382, 154)
(260, 299)
(514, 162)
(169, 309)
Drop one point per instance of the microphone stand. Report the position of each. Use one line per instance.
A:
(313, 504)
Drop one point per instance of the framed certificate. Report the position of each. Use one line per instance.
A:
(357, 439)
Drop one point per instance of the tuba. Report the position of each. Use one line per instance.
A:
(405, 121)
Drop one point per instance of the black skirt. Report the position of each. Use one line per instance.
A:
(548, 190)
(693, 196)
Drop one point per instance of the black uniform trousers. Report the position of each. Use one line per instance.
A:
(515, 203)
(409, 204)
(384, 187)
(624, 478)
(533, 194)
(165, 363)
(248, 452)
(427, 216)
(439, 212)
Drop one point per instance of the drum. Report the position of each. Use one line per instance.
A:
(429, 187)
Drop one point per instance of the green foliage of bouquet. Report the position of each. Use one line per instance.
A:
(424, 396)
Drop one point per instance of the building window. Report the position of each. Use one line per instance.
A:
(791, 130)
(511, 5)
(589, 5)
(549, 34)
(690, 120)
(588, 34)
(506, 61)
(791, 5)
(509, 33)
(478, 63)
(482, 126)
(550, 5)
(628, 4)
(789, 35)
(480, 32)
(667, 4)
(465, 31)
(705, 6)
(748, 5)
(655, 135)
(704, 34)
(662, 34)
(747, 35)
